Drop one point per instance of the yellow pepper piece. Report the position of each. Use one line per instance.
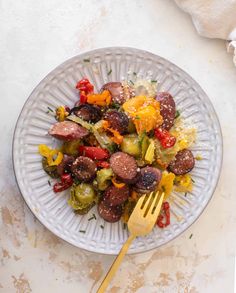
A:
(166, 184)
(61, 113)
(103, 99)
(44, 150)
(150, 153)
(183, 183)
(117, 184)
(57, 160)
(49, 153)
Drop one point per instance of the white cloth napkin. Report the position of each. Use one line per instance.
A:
(213, 19)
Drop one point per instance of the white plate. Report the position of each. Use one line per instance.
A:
(59, 88)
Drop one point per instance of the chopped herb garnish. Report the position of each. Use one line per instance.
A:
(153, 80)
(124, 226)
(93, 217)
(102, 226)
(47, 112)
(111, 148)
(50, 109)
(86, 60)
(190, 236)
(177, 114)
(131, 82)
(137, 117)
(109, 72)
(115, 105)
(192, 180)
(151, 133)
(185, 194)
(77, 181)
(49, 183)
(134, 73)
(82, 231)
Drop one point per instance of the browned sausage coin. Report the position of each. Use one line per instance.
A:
(124, 166)
(183, 162)
(67, 131)
(115, 196)
(167, 109)
(65, 165)
(117, 120)
(84, 169)
(109, 213)
(148, 179)
(116, 91)
(87, 112)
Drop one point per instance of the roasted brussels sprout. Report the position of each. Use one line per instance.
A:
(50, 170)
(131, 145)
(85, 210)
(131, 127)
(71, 147)
(103, 178)
(82, 198)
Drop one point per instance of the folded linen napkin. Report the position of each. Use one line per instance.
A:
(213, 19)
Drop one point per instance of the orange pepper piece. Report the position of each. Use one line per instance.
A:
(103, 99)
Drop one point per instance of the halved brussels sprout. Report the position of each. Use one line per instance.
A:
(131, 145)
(50, 170)
(103, 178)
(82, 198)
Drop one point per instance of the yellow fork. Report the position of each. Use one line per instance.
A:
(141, 222)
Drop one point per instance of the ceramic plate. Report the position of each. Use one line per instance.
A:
(58, 88)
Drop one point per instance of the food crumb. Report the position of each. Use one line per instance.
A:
(198, 157)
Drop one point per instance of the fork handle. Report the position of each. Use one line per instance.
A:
(115, 265)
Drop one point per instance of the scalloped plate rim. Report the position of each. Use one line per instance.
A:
(84, 53)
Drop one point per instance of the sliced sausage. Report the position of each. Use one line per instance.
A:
(183, 162)
(116, 196)
(84, 169)
(67, 131)
(116, 91)
(167, 109)
(109, 213)
(124, 166)
(148, 179)
(87, 112)
(117, 120)
(65, 165)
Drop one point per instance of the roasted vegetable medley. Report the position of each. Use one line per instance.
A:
(117, 145)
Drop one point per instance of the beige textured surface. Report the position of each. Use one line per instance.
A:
(37, 36)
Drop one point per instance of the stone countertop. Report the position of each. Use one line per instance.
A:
(35, 37)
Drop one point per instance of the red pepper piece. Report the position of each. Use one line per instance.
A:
(83, 98)
(165, 214)
(166, 139)
(65, 183)
(94, 153)
(85, 88)
(103, 164)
